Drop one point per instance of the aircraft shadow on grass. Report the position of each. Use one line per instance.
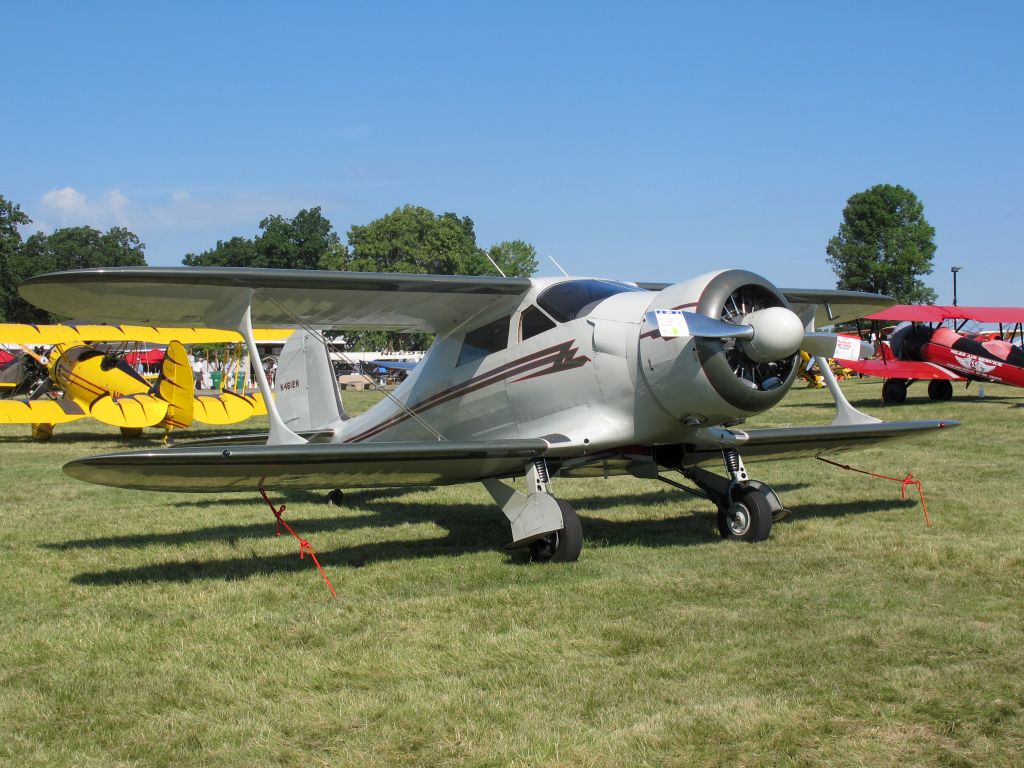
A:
(468, 531)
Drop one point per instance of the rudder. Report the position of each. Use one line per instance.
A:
(176, 387)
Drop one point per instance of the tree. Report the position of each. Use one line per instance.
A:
(68, 248)
(415, 239)
(515, 257)
(11, 217)
(884, 245)
(307, 241)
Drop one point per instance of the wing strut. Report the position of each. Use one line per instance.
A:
(846, 414)
(280, 434)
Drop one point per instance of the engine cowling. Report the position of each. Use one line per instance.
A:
(718, 378)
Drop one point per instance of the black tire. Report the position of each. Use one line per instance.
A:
(562, 546)
(748, 517)
(336, 497)
(894, 391)
(940, 389)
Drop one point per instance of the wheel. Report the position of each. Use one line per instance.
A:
(335, 497)
(748, 517)
(940, 389)
(894, 391)
(562, 546)
(131, 432)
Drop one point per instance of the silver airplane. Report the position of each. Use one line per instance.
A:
(528, 377)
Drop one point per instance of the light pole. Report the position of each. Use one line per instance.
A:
(954, 270)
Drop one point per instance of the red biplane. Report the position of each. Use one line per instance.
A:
(922, 348)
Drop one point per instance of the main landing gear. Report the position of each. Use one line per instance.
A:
(894, 391)
(746, 508)
(549, 527)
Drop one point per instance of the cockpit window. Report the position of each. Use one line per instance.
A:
(534, 322)
(485, 340)
(577, 298)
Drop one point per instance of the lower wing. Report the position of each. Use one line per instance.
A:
(40, 411)
(796, 442)
(900, 369)
(204, 469)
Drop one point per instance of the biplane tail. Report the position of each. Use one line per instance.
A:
(306, 390)
(175, 386)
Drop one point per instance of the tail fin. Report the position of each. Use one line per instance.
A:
(306, 390)
(176, 386)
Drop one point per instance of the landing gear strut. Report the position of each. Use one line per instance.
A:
(746, 508)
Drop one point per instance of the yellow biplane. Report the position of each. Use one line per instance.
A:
(83, 380)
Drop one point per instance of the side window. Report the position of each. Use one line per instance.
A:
(534, 322)
(486, 339)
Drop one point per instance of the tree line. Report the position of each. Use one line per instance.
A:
(884, 245)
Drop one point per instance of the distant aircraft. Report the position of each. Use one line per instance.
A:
(921, 348)
(539, 378)
(79, 380)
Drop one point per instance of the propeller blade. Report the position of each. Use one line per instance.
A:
(672, 323)
(831, 345)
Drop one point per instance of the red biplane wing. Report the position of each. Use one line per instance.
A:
(900, 369)
(936, 313)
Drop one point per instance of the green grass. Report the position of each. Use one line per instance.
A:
(161, 630)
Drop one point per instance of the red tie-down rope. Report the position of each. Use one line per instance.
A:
(304, 546)
(904, 482)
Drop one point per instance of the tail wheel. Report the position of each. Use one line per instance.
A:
(940, 389)
(894, 391)
(562, 546)
(748, 517)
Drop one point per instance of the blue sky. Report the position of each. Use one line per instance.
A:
(646, 141)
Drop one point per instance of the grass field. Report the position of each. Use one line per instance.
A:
(159, 630)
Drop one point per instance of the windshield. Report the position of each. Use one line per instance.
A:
(577, 298)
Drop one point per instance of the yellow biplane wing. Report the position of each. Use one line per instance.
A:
(40, 411)
(129, 411)
(21, 333)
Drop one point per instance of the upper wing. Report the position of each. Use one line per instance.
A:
(794, 442)
(929, 313)
(74, 333)
(322, 465)
(900, 369)
(215, 297)
(827, 306)
(833, 306)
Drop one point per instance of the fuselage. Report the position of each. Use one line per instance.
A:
(580, 364)
(973, 358)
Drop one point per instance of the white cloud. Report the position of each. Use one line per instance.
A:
(69, 207)
(175, 213)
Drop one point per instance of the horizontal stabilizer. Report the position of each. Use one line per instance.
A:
(209, 469)
(225, 408)
(129, 411)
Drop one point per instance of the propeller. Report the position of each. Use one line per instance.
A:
(765, 334)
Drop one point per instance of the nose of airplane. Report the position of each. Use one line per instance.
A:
(777, 334)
